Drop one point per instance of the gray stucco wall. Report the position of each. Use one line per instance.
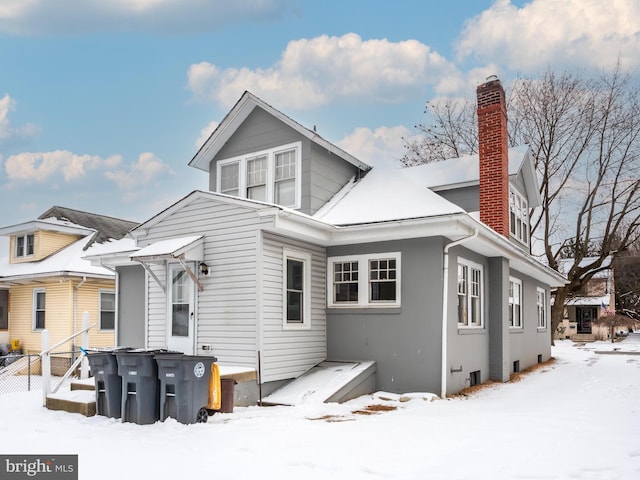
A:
(468, 348)
(528, 342)
(131, 306)
(406, 341)
(467, 198)
(323, 174)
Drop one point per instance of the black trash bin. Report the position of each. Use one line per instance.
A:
(184, 387)
(139, 372)
(104, 369)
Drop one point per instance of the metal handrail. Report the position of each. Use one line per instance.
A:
(45, 357)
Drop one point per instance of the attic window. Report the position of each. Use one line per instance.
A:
(24, 245)
(269, 175)
(518, 216)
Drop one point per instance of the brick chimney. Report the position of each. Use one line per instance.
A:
(494, 160)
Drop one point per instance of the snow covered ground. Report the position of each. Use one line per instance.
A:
(578, 418)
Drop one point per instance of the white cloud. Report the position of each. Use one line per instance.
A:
(313, 72)
(205, 133)
(41, 17)
(7, 131)
(546, 32)
(147, 168)
(41, 167)
(38, 167)
(383, 146)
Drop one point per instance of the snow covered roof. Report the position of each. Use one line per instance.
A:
(384, 194)
(464, 172)
(589, 301)
(68, 261)
(171, 248)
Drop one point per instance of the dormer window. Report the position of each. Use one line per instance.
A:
(24, 245)
(269, 176)
(518, 216)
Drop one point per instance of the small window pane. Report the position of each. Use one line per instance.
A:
(229, 177)
(295, 292)
(107, 310)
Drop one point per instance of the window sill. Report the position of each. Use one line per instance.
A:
(471, 330)
(362, 310)
(516, 330)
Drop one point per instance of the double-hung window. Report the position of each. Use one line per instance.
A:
(24, 245)
(296, 290)
(470, 294)
(272, 175)
(515, 303)
(541, 301)
(518, 216)
(364, 280)
(39, 300)
(107, 309)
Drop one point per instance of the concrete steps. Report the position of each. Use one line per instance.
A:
(80, 399)
(583, 337)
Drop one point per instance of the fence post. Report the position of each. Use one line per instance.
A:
(46, 366)
(84, 365)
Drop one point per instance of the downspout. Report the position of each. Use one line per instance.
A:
(75, 314)
(445, 301)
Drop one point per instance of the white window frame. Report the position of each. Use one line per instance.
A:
(37, 291)
(100, 309)
(515, 321)
(364, 280)
(305, 258)
(543, 308)
(25, 240)
(518, 216)
(472, 289)
(271, 175)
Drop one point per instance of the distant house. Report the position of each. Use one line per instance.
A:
(596, 298)
(45, 283)
(302, 253)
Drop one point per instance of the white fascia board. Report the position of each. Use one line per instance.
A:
(45, 276)
(112, 260)
(35, 225)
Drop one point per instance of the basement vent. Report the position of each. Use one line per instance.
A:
(474, 378)
(539, 358)
(516, 366)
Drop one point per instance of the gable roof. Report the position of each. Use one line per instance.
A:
(67, 262)
(464, 172)
(384, 194)
(106, 228)
(239, 113)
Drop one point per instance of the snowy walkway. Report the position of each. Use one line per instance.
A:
(578, 418)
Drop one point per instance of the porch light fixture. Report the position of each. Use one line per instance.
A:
(204, 268)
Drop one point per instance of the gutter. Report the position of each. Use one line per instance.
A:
(445, 301)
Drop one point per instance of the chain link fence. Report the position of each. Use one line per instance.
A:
(22, 372)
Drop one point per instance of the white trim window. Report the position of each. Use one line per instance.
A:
(39, 303)
(296, 294)
(24, 245)
(541, 302)
(107, 309)
(518, 216)
(269, 175)
(515, 303)
(364, 280)
(470, 294)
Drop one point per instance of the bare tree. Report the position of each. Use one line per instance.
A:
(585, 138)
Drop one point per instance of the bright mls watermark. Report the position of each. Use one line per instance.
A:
(53, 467)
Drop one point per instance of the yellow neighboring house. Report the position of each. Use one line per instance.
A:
(45, 283)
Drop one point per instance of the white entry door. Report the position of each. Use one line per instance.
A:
(180, 310)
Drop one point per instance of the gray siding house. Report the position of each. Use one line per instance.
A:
(301, 253)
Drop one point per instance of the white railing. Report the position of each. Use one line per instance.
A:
(45, 357)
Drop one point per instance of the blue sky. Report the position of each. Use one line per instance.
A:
(103, 103)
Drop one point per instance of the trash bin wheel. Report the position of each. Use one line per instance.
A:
(203, 416)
